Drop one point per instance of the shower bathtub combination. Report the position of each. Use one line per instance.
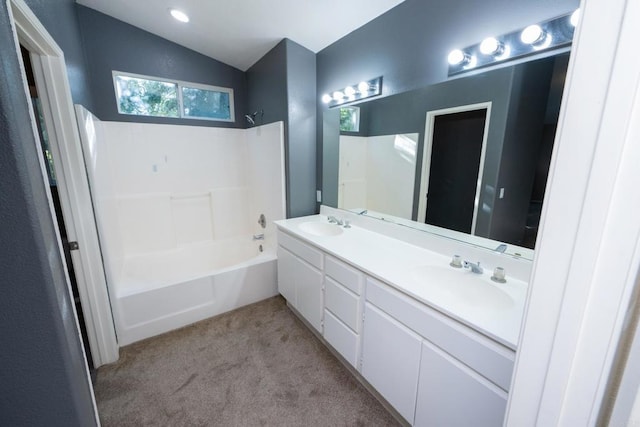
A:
(161, 291)
(179, 212)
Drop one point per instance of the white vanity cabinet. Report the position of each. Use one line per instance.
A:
(343, 286)
(300, 278)
(432, 369)
(451, 394)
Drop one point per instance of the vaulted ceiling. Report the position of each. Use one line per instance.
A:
(239, 33)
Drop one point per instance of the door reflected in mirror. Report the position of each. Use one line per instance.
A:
(453, 165)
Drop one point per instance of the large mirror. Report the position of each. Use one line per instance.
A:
(467, 158)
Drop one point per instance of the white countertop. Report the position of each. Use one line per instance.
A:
(496, 313)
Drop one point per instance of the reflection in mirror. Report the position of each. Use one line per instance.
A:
(521, 122)
(377, 173)
(452, 166)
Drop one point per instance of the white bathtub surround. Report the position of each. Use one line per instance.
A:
(378, 173)
(177, 207)
(411, 261)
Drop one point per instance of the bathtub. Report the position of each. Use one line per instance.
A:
(165, 290)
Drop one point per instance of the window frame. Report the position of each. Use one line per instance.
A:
(179, 84)
(357, 110)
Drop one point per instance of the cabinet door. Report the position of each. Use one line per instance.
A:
(450, 394)
(301, 285)
(309, 293)
(391, 360)
(286, 275)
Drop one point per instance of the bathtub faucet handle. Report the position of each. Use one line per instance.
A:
(258, 236)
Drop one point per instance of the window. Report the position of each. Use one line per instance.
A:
(350, 119)
(150, 96)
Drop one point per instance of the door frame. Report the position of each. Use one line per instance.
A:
(53, 88)
(428, 147)
(587, 257)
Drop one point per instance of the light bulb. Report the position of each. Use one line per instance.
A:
(575, 17)
(337, 95)
(491, 46)
(349, 91)
(533, 34)
(456, 57)
(363, 87)
(179, 15)
(326, 98)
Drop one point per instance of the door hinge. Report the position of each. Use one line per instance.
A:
(73, 246)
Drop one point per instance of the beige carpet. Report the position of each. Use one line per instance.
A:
(255, 366)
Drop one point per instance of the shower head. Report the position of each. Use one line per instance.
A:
(251, 118)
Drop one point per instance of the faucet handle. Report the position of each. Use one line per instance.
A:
(347, 223)
(332, 219)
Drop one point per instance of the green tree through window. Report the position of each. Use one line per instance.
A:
(350, 119)
(147, 97)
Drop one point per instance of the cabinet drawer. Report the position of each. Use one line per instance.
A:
(343, 339)
(344, 274)
(490, 359)
(342, 303)
(301, 250)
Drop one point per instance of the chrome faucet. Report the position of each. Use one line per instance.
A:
(364, 212)
(334, 220)
(475, 268)
(258, 236)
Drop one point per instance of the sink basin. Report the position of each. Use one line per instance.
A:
(462, 286)
(317, 228)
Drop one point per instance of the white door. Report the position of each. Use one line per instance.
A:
(53, 88)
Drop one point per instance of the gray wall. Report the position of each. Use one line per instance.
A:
(301, 94)
(59, 17)
(282, 83)
(111, 44)
(42, 371)
(521, 149)
(409, 44)
(267, 86)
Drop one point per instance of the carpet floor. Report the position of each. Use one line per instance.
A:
(255, 366)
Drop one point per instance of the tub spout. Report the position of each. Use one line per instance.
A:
(258, 236)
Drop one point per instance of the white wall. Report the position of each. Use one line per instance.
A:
(352, 173)
(159, 187)
(378, 173)
(103, 193)
(265, 174)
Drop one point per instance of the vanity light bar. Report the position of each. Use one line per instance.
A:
(363, 90)
(542, 37)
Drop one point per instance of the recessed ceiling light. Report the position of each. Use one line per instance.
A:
(179, 15)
